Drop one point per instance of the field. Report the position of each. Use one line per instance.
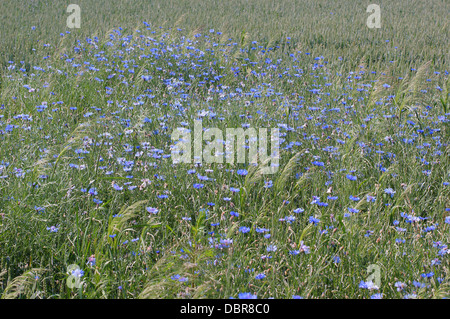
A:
(93, 203)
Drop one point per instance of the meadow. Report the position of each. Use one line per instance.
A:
(92, 204)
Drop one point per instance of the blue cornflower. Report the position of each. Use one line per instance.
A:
(317, 163)
(368, 285)
(39, 209)
(313, 220)
(244, 229)
(91, 260)
(246, 295)
(268, 184)
(368, 233)
(419, 284)
(389, 191)
(351, 177)
(304, 248)
(117, 187)
(400, 285)
(52, 229)
(260, 276)
(175, 277)
(78, 273)
(242, 172)
(152, 210)
(271, 248)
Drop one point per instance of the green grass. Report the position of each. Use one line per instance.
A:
(419, 29)
(371, 118)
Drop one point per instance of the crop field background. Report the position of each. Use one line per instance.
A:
(92, 204)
